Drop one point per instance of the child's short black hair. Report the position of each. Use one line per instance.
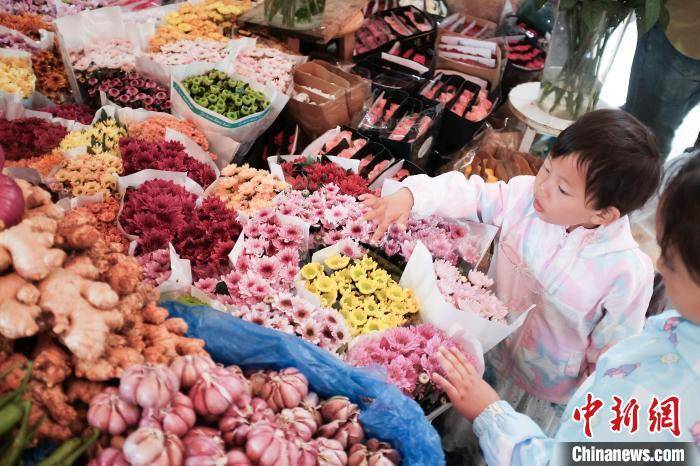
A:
(619, 154)
(679, 216)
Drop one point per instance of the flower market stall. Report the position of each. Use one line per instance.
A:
(187, 273)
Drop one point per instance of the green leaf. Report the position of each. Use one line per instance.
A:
(591, 13)
(648, 15)
(664, 17)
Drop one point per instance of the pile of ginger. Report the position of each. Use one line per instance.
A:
(74, 303)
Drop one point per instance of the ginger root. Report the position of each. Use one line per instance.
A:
(18, 307)
(30, 244)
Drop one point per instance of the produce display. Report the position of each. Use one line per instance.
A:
(196, 412)
(224, 95)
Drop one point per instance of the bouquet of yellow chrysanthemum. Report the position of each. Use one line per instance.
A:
(365, 294)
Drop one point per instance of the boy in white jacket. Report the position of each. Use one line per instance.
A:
(565, 245)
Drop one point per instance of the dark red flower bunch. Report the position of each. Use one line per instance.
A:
(127, 89)
(155, 212)
(208, 237)
(313, 176)
(29, 137)
(75, 112)
(138, 155)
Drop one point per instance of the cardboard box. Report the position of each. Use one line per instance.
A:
(493, 75)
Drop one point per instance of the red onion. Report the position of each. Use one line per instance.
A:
(189, 368)
(109, 457)
(147, 446)
(298, 422)
(236, 421)
(177, 418)
(269, 446)
(216, 390)
(285, 389)
(330, 453)
(338, 408)
(11, 202)
(237, 457)
(149, 386)
(110, 413)
(203, 441)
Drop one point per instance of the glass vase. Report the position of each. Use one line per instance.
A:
(295, 14)
(581, 52)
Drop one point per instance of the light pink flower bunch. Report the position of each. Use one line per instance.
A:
(471, 293)
(113, 53)
(408, 354)
(334, 217)
(267, 66)
(155, 266)
(184, 52)
(445, 240)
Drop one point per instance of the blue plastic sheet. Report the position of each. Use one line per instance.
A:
(386, 414)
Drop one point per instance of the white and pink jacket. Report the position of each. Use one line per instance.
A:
(591, 287)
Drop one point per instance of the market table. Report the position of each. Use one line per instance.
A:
(341, 18)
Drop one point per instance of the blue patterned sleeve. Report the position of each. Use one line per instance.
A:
(508, 438)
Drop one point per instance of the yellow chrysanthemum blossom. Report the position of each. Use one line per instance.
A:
(310, 271)
(337, 262)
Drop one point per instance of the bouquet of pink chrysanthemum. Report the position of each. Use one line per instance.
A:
(409, 356)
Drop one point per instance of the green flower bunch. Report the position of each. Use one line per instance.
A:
(219, 93)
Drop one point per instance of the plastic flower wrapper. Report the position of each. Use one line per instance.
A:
(365, 294)
(409, 357)
(107, 53)
(10, 41)
(99, 138)
(246, 189)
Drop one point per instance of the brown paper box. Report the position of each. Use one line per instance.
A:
(360, 88)
(325, 114)
(484, 23)
(315, 69)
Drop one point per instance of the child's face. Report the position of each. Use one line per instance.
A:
(681, 288)
(560, 195)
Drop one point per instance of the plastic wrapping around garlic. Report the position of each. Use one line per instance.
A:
(108, 412)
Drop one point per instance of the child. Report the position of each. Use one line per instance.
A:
(659, 364)
(565, 245)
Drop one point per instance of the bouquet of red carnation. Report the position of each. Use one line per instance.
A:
(170, 156)
(29, 137)
(128, 89)
(75, 112)
(313, 176)
(155, 212)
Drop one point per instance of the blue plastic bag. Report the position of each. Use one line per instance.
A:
(386, 414)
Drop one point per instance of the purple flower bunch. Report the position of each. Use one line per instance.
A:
(128, 89)
(471, 293)
(446, 240)
(155, 266)
(10, 41)
(408, 354)
(47, 8)
(138, 155)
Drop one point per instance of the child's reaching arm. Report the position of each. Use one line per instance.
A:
(507, 438)
(448, 195)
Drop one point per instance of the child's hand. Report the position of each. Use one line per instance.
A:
(468, 392)
(387, 210)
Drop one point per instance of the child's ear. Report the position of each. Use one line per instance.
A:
(605, 216)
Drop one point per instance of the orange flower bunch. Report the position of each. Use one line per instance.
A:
(153, 130)
(42, 163)
(26, 23)
(51, 79)
(247, 189)
(206, 20)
